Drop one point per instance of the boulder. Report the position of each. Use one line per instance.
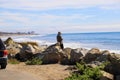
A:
(53, 54)
(106, 76)
(74, 55)
(13, 49)
(26, 52)
(9, 41)
(114, 65)
(104, 56)
(27, 55)
(30, 48)
(66, 58)
(42, 48)
(92, 55)
(77, 55)
(67, 51)
(94, 64)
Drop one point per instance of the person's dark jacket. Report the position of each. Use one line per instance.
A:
(59, 38)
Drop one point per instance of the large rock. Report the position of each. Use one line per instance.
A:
(42, 48)
(30, 48)
(94, 64)
(74, 55)
(22, 51)
(11, 46)
(104, 56)
(27, 55)
(53, 54)
(9, 41)
(114, 65)
(106, 76)
(66, 58)
(26, 52)
(77, 55)
(92, 55)
(67, 51)
(13, 49)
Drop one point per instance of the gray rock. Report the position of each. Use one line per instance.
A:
(114, 65)
(30, 48)
(104, 56)
(77, 55)
(53, 54)
(92, 55)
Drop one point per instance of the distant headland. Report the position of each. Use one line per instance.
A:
(17, 33)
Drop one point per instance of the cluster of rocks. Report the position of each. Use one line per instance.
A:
(54, 54)
(22, 50)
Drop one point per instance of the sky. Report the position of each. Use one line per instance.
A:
(67, 16)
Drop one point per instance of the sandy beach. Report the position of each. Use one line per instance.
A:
(42, 72)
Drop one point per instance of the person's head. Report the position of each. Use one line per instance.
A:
(59, 33)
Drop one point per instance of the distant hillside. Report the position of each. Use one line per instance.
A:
(17, 33)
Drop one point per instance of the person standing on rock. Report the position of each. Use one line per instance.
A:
(60, 40)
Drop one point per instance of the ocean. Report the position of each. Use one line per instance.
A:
(102, 40)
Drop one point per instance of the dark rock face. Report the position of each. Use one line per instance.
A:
(73, 55)
(104, 56)
(77, 55)
(114, 65)
(24, 56)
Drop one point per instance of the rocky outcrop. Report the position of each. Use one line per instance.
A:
(53, 54)
(9, 41)
(92, 55)
(13, 48)
(27, 52)
(21, 50)
(24, 56)
(104, 56)
(74, 55)
(67, 51)
(77, 55)
(114, 65)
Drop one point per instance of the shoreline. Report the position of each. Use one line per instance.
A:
(45, 42)
(17, 35)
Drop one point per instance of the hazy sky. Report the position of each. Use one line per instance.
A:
(50, 16)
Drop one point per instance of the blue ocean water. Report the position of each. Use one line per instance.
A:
(102, 40)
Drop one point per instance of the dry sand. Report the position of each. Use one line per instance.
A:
(42, 72)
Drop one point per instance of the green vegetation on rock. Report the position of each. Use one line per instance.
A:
(85, 73)
(13, 61)
(34, 61)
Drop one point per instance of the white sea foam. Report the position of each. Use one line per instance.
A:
(72, 45)
(40, 42)
(67, 44)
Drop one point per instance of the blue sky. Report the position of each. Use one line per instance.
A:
(51, 16)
